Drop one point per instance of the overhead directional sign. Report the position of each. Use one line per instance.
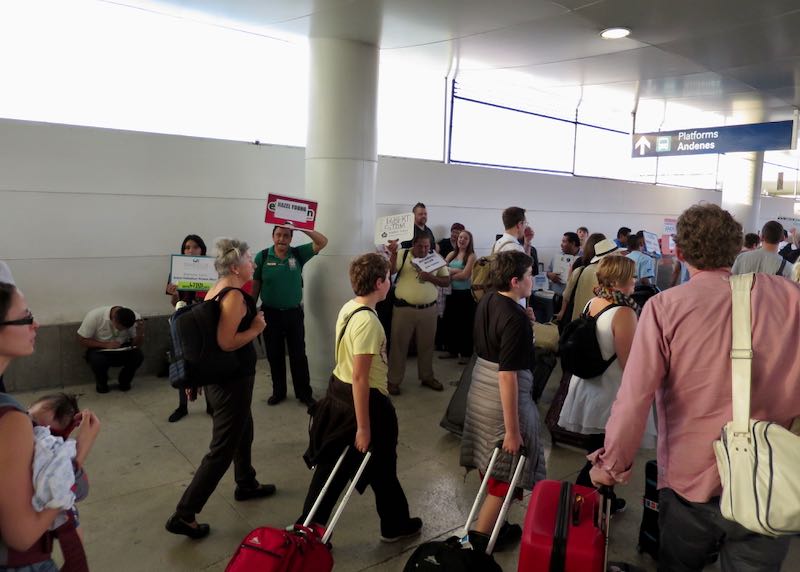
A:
(728, 139)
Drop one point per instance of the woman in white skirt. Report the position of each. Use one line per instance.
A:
(588, 404)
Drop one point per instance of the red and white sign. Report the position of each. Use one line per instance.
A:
(291, 212)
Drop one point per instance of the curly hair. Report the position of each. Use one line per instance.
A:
(365, 271)
(708, 236)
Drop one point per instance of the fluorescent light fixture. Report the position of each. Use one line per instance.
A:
(615, 33)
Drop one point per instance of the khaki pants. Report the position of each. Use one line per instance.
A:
(406, 321)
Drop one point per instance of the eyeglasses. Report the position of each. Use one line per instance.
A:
(26, 321)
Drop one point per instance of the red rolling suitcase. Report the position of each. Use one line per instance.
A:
(566, 529)
(302, 549)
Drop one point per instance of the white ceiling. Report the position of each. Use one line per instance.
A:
(738, 58)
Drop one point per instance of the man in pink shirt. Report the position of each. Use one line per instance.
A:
(681, 358)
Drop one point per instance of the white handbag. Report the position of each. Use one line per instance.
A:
(758, 461)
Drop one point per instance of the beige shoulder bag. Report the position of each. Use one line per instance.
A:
(758, 461)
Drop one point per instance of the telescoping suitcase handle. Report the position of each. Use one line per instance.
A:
(343, 503)
(604, 517)
(523, 456)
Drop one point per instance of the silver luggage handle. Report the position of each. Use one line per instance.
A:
(343, 503)
(506, 501)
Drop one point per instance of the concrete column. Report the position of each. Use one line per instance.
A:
(741, 187)
(341, 165)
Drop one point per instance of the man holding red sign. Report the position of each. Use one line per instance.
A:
(278, 280)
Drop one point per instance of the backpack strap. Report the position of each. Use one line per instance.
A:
(221, 294)
(344, 328)
(780, 270)
(601, 312)
(495, 248)
(249, 301)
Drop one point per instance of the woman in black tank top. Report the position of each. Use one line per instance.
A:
(230, 397)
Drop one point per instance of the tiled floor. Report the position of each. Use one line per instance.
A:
(141, 464)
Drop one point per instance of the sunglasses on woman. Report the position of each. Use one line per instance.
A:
(26, 321)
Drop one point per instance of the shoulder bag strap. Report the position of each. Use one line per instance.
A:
(741, 350)
(344, 328)
(780, 270)
(402, 264)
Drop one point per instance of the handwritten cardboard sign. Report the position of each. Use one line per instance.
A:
(430, 263)
(394, 227)
(291, 212)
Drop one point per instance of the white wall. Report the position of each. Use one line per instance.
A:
(89, 216)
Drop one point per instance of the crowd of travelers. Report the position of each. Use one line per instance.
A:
(667, 383)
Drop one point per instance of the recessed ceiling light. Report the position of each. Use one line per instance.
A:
(615, 33)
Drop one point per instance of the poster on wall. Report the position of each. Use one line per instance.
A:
(291, 212)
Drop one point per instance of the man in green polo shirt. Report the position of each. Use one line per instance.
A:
(278, 280)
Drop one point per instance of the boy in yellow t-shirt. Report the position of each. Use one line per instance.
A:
(357, 411)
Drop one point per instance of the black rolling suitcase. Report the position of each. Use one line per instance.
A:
(648, 530)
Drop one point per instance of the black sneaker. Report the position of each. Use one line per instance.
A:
(509, 535)
(178, 414)
(412, 528)
(101, 387)
(275, 399)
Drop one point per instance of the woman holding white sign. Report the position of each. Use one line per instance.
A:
(192, 245)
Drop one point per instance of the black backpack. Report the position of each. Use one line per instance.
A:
(197, 359)
(449, 555)
(579, 348)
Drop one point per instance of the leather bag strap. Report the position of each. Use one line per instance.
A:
(741, 351)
